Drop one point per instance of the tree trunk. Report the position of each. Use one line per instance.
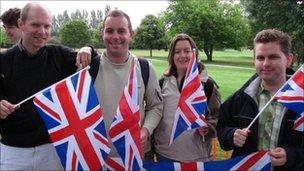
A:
(150, 52)
(208, 49)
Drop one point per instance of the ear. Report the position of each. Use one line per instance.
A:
(132, 33)
(289, 59)
(20, 24)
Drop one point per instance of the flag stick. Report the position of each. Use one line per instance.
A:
(261, 111)
(88, 67)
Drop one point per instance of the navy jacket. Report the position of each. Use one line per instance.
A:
(239, 110)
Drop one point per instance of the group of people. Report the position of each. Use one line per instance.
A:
(31, 65)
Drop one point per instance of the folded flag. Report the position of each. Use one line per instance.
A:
(125, 128)
(255, 161)
(73, 117)
(190, 112)
(291, 95)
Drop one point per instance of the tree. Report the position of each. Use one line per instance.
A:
(77, 15)
(96, 19)
(107, 10)
(287, 16)
(75, 34)
(4, 41)
(212, 24)
(96, 40)
(150, 34)
(55, 26)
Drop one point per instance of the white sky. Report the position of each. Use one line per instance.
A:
(137, 10)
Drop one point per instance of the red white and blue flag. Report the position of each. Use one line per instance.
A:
(190, 112)
(125, 128)
(73, 117)
(255, 161)
(291, 95)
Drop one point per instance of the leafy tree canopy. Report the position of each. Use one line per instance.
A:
(287, 16)
(150, 34)
(212, 24)
(75, 34)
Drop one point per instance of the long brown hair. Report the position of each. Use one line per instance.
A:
(172, 68)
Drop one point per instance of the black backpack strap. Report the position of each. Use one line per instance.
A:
(161, 82)
(145, 71)
(208, 88)
(94, 67)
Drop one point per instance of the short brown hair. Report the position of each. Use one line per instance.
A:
(273, 35)
(182, 36)
(11, 16)
(118, 13)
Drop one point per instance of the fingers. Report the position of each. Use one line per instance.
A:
(240, 136)
(144, 134)
(203, 130)
(278, 156)
(6, 108)
(83, 58)
(277, 152)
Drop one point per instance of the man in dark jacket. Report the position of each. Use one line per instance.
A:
(25, 69)
(273, 130)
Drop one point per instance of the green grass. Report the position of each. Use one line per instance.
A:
(229, 79)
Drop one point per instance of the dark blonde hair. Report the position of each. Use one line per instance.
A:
(118, 13)
(172, 68)
(275, 36)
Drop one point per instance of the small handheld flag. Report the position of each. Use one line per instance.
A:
(292, 97)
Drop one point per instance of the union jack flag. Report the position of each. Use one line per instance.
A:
(125, 128)
(255, 161)
(291, 95)
(73, 117)
(192, 103)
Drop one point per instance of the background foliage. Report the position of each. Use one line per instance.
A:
(287, 16)
(75, 34)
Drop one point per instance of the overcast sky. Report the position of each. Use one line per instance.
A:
(137, 10)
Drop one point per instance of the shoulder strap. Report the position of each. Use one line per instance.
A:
(94, 67)
(145, 71)
(161, 82)
(208, 88)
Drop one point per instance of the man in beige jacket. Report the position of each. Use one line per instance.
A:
(113, 71)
